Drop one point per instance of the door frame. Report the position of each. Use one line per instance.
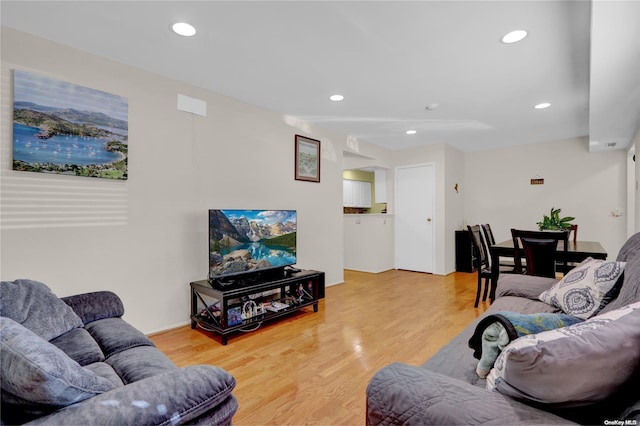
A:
(433, 213)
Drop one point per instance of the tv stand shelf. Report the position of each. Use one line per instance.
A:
(244, 306)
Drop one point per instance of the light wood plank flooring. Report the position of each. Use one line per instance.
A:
(313, 368)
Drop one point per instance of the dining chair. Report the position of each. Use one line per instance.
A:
(482, 257)
(566, 267)
(488, 232)
(506, 264)
(574, 231)
(540, 249)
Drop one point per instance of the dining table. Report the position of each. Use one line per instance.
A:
(576, 252)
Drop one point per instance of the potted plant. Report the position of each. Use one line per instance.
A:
(554, 222)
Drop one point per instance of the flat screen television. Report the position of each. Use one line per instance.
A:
(247, 242)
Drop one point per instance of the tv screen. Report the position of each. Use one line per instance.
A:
(245, 241)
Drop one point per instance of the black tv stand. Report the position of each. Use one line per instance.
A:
(245, 306)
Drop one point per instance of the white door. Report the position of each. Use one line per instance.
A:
(415, 196)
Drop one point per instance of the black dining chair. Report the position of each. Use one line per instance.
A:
(573, 230)
(482, 257)
(488, 232)
(572, 236)
(506, 264)
(540, 249)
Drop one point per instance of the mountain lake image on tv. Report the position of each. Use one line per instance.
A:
(246, 241)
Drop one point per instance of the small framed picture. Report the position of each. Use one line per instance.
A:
(307, 165)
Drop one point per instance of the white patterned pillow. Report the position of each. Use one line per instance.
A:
(586, 289)
(572, 365)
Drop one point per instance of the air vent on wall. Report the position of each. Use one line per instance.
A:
(611, 144)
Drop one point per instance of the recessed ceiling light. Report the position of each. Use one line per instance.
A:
(336, 98)
(183, 29)
(411, 132)
(514, 36)
(542, 105)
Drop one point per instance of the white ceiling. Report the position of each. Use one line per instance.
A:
(390, 59)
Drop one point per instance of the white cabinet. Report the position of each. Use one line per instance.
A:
(356, 193)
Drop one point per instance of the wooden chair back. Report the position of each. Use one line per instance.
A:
(539, 248)
(488, 233)
(479, 247)
(574, 231)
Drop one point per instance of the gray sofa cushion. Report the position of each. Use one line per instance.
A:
(528, 286)
(581, 364)
(456, 359)
(95, 306)
(630, 248)
(115, 335)
(191, 395)
(139, 363)
(36, 372)
(32, 304)
(403, 394)
(103, 369)
(79, 346)
(630, 289)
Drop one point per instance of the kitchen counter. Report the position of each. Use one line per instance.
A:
(369, 242)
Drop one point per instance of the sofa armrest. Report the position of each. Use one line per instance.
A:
(176, 397)
(95, 306)
(404, 394)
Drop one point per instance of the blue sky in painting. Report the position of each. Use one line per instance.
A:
(55, 93)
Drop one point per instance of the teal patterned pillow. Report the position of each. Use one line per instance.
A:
(586, 289)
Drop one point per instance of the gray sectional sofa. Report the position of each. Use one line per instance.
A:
(76, 361)
(585, 373)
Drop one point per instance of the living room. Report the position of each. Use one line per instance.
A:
(183, 164)
(149, 241)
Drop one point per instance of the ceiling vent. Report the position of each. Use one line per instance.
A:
(611, 144)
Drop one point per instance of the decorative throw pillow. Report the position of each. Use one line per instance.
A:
(565, 366)
(586, 289)
(36, 373)
(32, 304)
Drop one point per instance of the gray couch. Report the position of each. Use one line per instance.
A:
(76, 361)
(603, 385)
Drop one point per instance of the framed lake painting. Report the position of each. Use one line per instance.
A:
(307, 165)
(64, 128)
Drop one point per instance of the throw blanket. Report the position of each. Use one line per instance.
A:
(496, 331)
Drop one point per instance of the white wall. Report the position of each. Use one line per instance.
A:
(585, 185)
(454, 202)
(180, 165)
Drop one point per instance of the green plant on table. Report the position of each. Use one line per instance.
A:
(554, 221)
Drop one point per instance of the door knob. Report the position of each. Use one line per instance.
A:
(428, 219)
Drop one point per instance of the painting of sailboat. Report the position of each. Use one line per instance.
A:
(64, 128)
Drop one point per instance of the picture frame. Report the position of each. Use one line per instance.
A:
(307, 165)
(64, 128)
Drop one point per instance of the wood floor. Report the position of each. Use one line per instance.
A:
(313, 368)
